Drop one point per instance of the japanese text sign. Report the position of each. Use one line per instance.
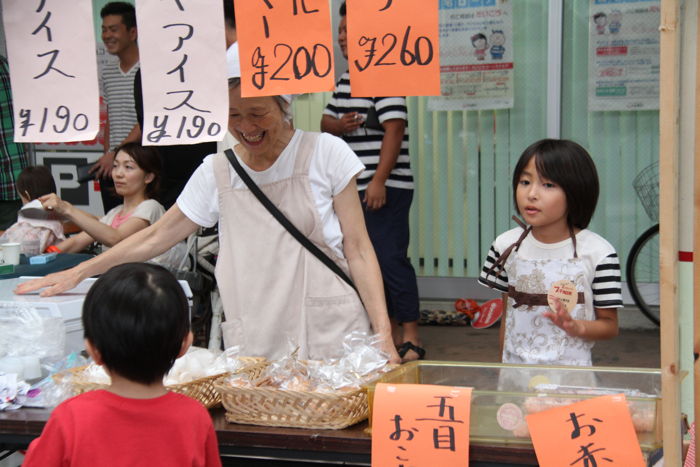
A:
(393, 48)
(285, 46)
(596, 431)
(51, 50)
(420, 425)
(182, 50)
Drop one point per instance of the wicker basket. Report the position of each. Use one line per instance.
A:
(201, 389)
(294, 409)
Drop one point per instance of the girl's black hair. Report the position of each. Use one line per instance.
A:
(35, 181)
(137, 316)
(148, 159)
(571, 167)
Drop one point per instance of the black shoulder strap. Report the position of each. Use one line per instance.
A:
(301, 238)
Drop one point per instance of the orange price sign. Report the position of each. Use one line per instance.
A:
(285, 46)
(420, 425)
(597, 431)
(393, 48)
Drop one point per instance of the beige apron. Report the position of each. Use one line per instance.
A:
(274, 291)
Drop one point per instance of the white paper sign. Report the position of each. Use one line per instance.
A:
(53, 73)
(183, 71)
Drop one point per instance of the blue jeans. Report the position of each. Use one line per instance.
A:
(389, 232)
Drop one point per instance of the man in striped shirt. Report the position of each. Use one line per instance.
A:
(119, 35)
(386, 191)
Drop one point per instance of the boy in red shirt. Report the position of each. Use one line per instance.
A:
(136, 323)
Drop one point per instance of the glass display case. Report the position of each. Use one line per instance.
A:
(505, 394)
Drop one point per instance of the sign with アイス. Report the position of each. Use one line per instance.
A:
(182, 50)
(285, 46)
(54, 87)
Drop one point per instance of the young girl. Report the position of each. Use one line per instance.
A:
(555, 188)
(135, 172)
(32, 183)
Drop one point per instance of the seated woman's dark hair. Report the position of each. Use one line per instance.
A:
(35, 181)
(148, 159)
(137, 316)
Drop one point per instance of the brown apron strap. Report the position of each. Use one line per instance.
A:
(499, 264)
(573, 240)
(534, 299)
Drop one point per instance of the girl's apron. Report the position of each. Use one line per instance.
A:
(276, 294)
(530, 337)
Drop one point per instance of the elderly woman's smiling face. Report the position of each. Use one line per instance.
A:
(258, 123)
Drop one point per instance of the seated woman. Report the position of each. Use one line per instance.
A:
(136, 172)
(33, 182)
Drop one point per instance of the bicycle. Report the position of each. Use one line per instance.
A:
(643, 259)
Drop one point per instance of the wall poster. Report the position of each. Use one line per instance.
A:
(623, 64)
(476, 55)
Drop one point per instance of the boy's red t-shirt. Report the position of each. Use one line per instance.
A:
(99, 428)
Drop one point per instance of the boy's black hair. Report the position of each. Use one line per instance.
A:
(123, 9)
(229, 14)
(35, 181)
(343, 10)
(136, 315)
(571, 167)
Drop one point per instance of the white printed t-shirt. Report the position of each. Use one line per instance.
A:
(333, 165)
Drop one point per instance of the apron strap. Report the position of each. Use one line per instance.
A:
(573, 240)
(499, 264)
(286, 223)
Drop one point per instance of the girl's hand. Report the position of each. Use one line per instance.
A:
(52, 202)
(562, 319)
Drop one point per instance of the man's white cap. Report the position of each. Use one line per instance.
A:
(233, 67)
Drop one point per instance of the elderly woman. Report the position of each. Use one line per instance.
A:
(273, 289)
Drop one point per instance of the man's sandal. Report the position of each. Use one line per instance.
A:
(406, 346)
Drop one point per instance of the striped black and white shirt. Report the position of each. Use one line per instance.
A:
(118, 92)
(600, 262)
(367, 142)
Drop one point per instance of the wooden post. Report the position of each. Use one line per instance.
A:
(696, 244)
(668, 217)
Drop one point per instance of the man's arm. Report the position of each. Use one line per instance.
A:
(349, 122)
(103, 166)
(375, 194)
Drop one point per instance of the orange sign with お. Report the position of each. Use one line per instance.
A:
(596, 431)
(393, 48)
(420, 425)
(285, 47)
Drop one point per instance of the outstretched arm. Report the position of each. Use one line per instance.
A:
(89, 224)
(148, 243)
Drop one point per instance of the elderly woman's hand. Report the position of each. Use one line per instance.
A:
(52, 202)
(53, 284)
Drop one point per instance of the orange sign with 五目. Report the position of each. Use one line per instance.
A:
(420, 425)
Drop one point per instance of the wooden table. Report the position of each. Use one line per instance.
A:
(352, 446)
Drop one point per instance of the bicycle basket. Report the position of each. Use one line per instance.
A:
(646, 184)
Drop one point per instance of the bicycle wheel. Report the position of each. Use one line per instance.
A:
(643, 273)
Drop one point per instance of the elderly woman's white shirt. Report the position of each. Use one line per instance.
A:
(333, 165)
